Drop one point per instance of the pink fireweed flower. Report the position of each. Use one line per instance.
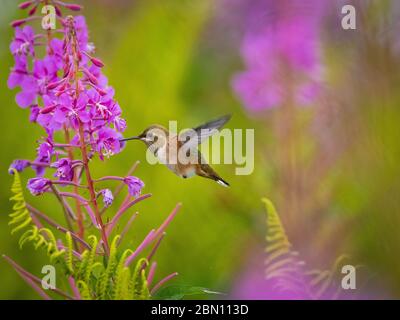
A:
(135, 185)
(19, 165)
(282, 59)
(108, 197)
(64, 169)
(44, 152)
(38, 185)
(108, 142)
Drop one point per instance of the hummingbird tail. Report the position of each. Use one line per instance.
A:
(221, 181)
(207, 172)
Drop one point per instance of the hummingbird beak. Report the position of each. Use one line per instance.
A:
(132, 138)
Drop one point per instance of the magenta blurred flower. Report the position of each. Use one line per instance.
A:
(135, 185)
(282, 59)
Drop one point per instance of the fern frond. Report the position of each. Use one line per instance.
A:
(88, 257)
(323, 283)
(29, 235)
(69, 255)
(285, 267)
(282, 264)
(106, 276)
(121, 286)
(138, 285)
(122, 278)
(84, 290)
(22, 219)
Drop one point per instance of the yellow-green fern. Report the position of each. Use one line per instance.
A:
(287, 270)
(21, 219)
(122, 278)
(283, 265)
(138, 285)
(105, 279)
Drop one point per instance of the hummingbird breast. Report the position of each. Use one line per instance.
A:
(168, 154)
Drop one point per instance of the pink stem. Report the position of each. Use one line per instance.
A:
(36, 221)
(158, 285)
(68, 183)
(91, 215)
(147, 240)
(167, 221)
(108, 178)
(22, 271)
(35, 287)
(73, 195)
(121, 185)
(153, 251)
(75, 236)
(54, 224)
(65, 145)
(153, 235)
(151, 273)
(127, 226)
(76, 254)
(74, 288)
(40, 164)
(121, 211)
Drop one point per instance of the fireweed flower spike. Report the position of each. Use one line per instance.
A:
(68, 96)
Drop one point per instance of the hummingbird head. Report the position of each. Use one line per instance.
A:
(152, 136)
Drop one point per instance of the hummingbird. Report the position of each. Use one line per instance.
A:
(179, 152)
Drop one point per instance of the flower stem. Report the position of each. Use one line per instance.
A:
(106, 178)
(36, 212)
(82, 143)
(81, 227)
(121, 185)
(28, 275)
(122, 210)
(158, 285)
(92, 192)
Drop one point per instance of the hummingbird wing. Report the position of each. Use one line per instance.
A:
(192, 138)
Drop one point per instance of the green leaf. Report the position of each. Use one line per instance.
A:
(177, 292)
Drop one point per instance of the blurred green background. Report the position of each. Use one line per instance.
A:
(174, 60)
